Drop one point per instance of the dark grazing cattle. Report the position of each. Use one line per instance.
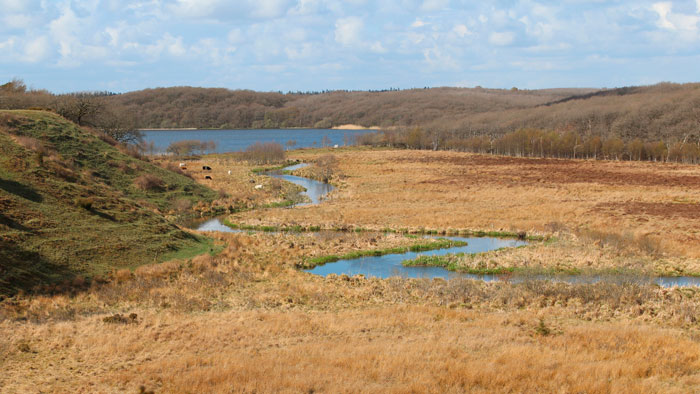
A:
(207, 177)
(206, 168)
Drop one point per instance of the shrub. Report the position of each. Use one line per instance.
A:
(84, 202)
(181, 204)
(542, 329)
(170, 166)
(325, 167)
(131, 150)
(149, 182)
(31, 143)
(264, 153)
(275, 184)
(188, 147)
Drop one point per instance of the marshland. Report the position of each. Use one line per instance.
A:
(270, 269)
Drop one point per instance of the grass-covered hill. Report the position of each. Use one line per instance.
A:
(74, 205)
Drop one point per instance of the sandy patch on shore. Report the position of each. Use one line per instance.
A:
(355, 127)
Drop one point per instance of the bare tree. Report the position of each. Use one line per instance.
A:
(325, 167)
(78, 108)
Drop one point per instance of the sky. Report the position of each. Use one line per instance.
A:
(313, 45)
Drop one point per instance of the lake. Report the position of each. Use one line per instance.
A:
(238, 140)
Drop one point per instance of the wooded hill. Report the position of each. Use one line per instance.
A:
(221, 108)
(664, 111)
(668, 112)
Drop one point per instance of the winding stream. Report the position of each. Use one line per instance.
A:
(390, 265)
(315, 190)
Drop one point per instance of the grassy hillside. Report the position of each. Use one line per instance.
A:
(70, 206)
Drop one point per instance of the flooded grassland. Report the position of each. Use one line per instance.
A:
(247, 318)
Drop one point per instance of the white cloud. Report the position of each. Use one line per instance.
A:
(297, 34)
(17, 21)
(197, 8)
(64, 31)
(502, 38)
(420, 23)
(663, 9)
(18, 6)
(439, 59)
(225, 10)
(461, 30)
(348, 31)
(167, 44)
(174, 46)
(377, 47)
(205, 49)
(235, 36)
(675, 21)
(534, 65)
(267, 9)
(415, 36)
(309, 7)
(7, 46)
(300, 52)
(434, 5)
(114, 35)
(36, 50)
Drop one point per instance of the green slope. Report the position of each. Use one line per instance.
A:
(69, 206)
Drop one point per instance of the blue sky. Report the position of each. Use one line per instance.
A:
(270, 45)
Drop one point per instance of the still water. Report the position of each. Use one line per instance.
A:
(238, 140)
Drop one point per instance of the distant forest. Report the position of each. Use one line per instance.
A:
(665, 113)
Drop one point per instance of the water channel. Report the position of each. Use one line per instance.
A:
(390, 265)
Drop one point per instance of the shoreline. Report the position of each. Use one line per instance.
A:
(336, 128)
(354, 127)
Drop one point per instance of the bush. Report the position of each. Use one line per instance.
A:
(149, 182)
(182, 205)
(325, 167)
(187, 147)
(264, 153)
(31, 143)
(170, 166)
(84, 202)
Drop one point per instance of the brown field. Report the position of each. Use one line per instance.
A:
(651, 209)
(246, 320)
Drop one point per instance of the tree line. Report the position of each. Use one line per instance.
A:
(533, 142)
(629, 122)
(92, 109)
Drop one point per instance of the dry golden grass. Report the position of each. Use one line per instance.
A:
(246, 320)
(397, 349)
(580, 254)
(236, 190)
(650, 203)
